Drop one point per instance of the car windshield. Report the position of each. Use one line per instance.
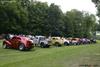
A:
(42, 38)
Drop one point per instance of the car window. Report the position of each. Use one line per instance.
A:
(42, 38)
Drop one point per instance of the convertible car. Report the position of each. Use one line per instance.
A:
(18, 42)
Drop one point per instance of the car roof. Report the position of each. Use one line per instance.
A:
(21, 37)
(39, 36)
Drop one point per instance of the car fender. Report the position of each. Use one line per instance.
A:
(6, 42)
(45, 42)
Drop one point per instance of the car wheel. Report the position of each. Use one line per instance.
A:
(77, 43)
(21, 47)
(74, 43)
(66, 44)
(5, 46)
(42, 45)
(48, 46)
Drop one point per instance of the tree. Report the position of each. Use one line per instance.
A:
(97, 3)
(13, 17)
(37, 18)
(73, 23)
(25, 16)
(55, 23)
(79, 24)
(89, 24)
(97, 27)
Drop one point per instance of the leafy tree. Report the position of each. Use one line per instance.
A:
(79, 24)
(97, 26)
(97, 3)
(89, 24)
(13, 17)
(25, 16)
(73, 23)
(55, 20)
(37, 18)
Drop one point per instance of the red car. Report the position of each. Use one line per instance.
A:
(18, 42)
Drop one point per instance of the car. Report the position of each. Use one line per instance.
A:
(75, 41)
(67, 41)
(41, 41)
(57, 41)
(85, 41)
(18, 42)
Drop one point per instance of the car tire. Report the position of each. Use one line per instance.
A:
(21, 47)
(66, 44)
(74, 43)
(5, 46)
(42, 45)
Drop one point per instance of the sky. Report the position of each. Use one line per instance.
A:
(67, 5)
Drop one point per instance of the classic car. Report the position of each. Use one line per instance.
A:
(18, 42)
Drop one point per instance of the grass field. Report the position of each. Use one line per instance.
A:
(66, 56)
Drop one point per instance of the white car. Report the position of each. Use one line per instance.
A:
(41, 41)
(66, 42)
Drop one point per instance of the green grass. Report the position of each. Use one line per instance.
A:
(67, 56)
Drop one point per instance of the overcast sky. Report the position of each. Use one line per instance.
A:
(66, 5)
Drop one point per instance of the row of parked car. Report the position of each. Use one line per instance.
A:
(27, 42)
(59, 41)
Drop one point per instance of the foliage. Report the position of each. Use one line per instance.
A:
(38, 18)
(79, 24)
(97, 3)
(13, 17)
(55, 20)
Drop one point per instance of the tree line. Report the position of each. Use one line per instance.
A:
(97, 4)
(39, 18)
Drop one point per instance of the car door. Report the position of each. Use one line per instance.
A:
(14, 42)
